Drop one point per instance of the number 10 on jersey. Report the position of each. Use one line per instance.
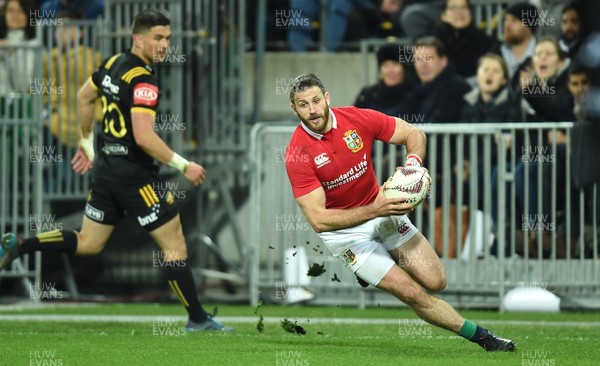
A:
(111, 112)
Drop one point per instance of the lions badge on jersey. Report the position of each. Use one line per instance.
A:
(353, 141)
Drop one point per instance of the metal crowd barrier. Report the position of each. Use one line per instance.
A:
(497, 224)
(204, 75)
(23, 155)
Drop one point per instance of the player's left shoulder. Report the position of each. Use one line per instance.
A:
(356, 116)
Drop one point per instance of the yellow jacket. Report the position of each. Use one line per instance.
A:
(64, 74)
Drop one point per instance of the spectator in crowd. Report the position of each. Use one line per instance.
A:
(578, 85)
(549, 16)
(520, 23)
(419, 17)
(571, 29)
(437, 99)
(545, 88)
(546, 91)
(588, 57)
(395, 81)
(16, 66)
(16, 72)
(89, 9)
(465, 43)
(303, 15)
(586, 171)
(69, 63)
(584, 144)
(378, 21)
(491, 102)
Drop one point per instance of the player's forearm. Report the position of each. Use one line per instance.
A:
(154, 146)
(416, 143)
(336, 219)
(411, 136)
(86, 110)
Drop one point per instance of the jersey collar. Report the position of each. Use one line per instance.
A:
(141, 62)
(319, 136)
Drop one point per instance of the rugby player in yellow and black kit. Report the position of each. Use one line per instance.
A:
(123, 166)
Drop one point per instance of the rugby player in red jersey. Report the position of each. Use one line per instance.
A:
(334, 184)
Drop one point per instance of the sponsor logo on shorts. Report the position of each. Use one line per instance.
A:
(403, 229)
(322, 159)
(147, 219)
(94, 213)
(146, 94)
(349, 257)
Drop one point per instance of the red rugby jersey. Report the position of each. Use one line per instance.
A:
(339, 160)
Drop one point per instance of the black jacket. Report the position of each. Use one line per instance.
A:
(439, 101)
(465, 46)
(552, 102)
(502, 107)
(383, 98)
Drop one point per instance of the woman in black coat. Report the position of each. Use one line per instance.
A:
(546, 91)
(395, 81)
(465, 43)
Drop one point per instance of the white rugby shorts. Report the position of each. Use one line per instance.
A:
(371, 240)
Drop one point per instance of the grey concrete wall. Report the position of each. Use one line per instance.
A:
(343, 75)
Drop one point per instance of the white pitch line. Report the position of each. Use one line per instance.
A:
(270, 319)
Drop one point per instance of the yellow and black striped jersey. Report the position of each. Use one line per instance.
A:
(125, 84)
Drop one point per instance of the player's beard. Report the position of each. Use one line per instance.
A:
(319, 127)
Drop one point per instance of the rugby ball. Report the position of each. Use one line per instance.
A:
(411, 183)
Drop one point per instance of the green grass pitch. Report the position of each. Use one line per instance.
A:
(149, 334)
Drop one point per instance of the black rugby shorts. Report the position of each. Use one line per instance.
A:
(149, 206)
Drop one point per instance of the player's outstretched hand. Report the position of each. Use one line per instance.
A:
(80, 162)
(390, 206)
(195, 173)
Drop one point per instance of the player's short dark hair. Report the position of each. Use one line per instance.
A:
(431, 41)
(146, 19)
(303, 82)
